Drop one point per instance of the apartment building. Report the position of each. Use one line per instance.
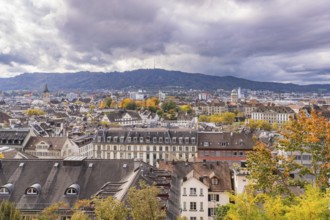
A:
(148, 145)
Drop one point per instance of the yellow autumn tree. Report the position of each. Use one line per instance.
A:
(34, 112)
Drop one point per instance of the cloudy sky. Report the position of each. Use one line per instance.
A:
(264, 40)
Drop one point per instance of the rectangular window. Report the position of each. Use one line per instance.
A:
(154, 140)
(184, 192)
(201, 191)
(193, 206)
(206, 144)
(193, 191)
(211, 211)
(184, 206)
(201, 207)
(160, 140)
(167, 140)
(174, 140)
(214, 197)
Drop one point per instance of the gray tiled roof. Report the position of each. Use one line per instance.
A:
(233, 140)
(54, 180)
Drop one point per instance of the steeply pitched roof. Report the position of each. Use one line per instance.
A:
(4, 117)
(118, 116)
(232, 140)
(203, 171)
(55, 143)
(55, 176)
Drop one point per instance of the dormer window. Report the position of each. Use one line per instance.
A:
(129, 139)
(115, 139)
(135, 139)
(161, 140)
(72, 190)
(174, 140)
(206, 144)
(180, 140)
(121, 139)
(6, 189)
(215, 181)
(109, 139)
(31, 191)
(167, 140)
(141, 139)
(148, 139)
(35, 189)
(186, 140)
(154, 140)
(193, 140)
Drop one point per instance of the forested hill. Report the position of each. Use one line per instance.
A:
(144, 78)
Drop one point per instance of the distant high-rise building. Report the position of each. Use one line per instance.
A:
(239, 94)
(234, 96)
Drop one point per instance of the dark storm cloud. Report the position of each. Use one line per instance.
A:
(107, 25)
(271, 40)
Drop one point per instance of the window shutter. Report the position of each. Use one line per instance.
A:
(209, 197)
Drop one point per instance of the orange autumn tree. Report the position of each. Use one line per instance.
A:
(311, 136)
(307, 136)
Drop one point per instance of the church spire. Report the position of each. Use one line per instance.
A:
(46, 88)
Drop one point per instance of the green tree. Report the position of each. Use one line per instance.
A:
(167, 106)
(53, 211)
(110, 209)
(79, 215)
(8, 211)
(108, 102)
(222, 211)
(265, 173)
(144, 203)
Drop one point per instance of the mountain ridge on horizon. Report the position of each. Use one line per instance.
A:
(146, 78)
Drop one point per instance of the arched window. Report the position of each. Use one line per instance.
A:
(72, 190)
(35, 189)
(6, 189)
(31, 191)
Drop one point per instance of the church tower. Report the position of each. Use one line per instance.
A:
(46, 95)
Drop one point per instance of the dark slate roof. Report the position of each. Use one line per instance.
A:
(55, 176)
(13, 136)
(275, 109)
(233, 140)
(146, 134)
(4, 117)
(55, 143)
